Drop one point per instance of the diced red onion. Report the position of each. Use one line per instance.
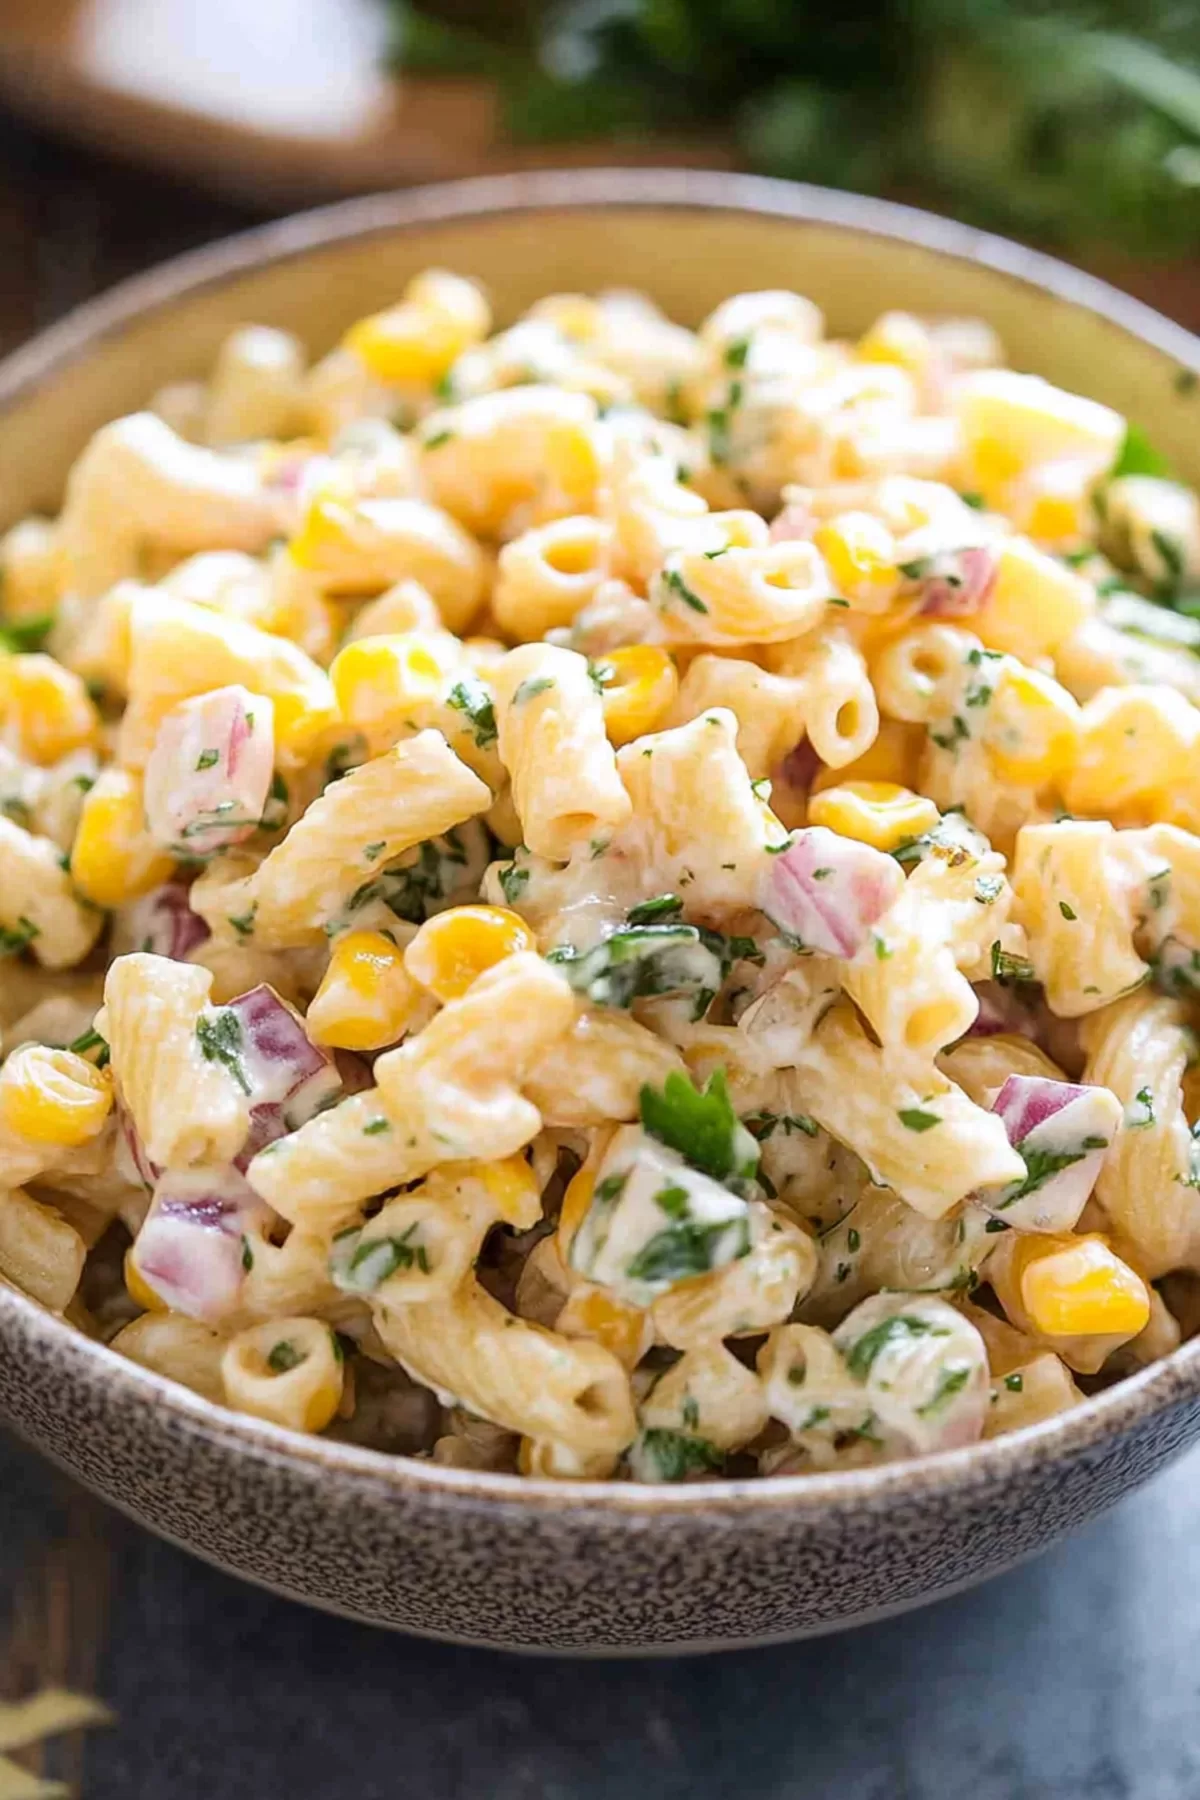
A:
(828, 891)
(1047, 1119)
(189, 1250)
(957, 582)
(1001, 1013)
(795, 521)
(164, 923)
(209, 773)
(799, 767)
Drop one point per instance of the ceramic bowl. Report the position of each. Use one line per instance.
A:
(485, 1558)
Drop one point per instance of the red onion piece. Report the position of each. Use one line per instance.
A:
(189, 1249)
(828, 891)
(795, 521)
(164, 923)
(1063, 1130)
(956, 583)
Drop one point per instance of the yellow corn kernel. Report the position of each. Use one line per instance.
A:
(379, 681)
(576, 1201)
(453, 949)
(45, 709)
(366, 998)
(1035, 604)
(896, 337)
(328, 524)
(513, 1186)
(1032, 729)
(592, 1312)
(1078, 1287)
(640, 685)
(1011, 422)
(139, 1289)
(113, 858)
(1136, 742)
(860, 553)
(53, 1096)
(895, 756)
(878, 813)
(31, 571)
(416, 341)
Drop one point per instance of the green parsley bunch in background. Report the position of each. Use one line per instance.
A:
(1077, 123)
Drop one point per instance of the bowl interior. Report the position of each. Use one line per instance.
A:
(687, 239)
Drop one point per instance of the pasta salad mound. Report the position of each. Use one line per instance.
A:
(608, 901)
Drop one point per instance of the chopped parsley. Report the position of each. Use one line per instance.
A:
(1139, 1114)
(284, 1356)
(22, 636)
(207, 759)
(530, 689)
(243, 923)
(91, 1040)
(916, 1120)
(1068, 912)
(18, 937)
(686, 1248)
(896, 1329)
(472, 699)
(702, 1126)
(1006, 967)
(374, 1127)
(1014, 1382)
(1137, 456)
(247, 1254)
(950, 1381)
(1040, 1165)
(375, 1259)
(513, 881)
(650, 912)
(437, 439)
(664, 1455)
(673, 581)
(219, 1034)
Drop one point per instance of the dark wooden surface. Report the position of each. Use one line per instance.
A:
(1075, 1678)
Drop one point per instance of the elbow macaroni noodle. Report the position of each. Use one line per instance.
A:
(651, 914)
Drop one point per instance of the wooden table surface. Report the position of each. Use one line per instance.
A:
(1075, 1678)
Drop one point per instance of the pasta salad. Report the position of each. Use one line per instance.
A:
(608, 901)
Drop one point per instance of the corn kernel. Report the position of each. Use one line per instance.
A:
(860, 552)
(366, 998)
(1035, 603)
(328, 524)
(1078, 1287)
(138, 1288)
(45, 709)
(379, 681)
(113, 858)
(453, 949)
(31, 570)
(53, 1096)
(1011, 422)
(1032, 729)
(640, 684)
(895, 756)
(592, 1312)
(512, 1185)
(576, 1201)
(896, 337)
(878, 813)
(416, 341)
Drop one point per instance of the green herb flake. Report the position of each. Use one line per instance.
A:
(472, 699)
(1068, 912)
(1007, 967)
(1014, 1382)
(896, 1329)
(374, 1127)
(664, 1455)
(950, 1381)
(701, 1125)
(437, 439)
(247, 1254)
(219, 1035)
(673, 581)
(914, 1119)
(651, 912)
(207, 759)
(15, 938)
(529, 690)
(243, 923)
(284, 1356)
(1137, 456)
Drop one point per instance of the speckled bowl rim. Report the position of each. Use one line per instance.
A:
(1160, 1386)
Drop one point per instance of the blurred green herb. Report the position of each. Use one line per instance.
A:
(1073, 121)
